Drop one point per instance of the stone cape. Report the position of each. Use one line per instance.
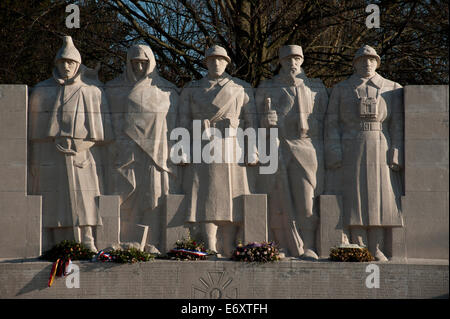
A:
(44, 107)
(84, 116)
(139, 169)
(147, 168)
(146, 121)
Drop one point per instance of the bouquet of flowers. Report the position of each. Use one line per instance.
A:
(189, 249)
(256, 252)
(350, 253)
(130, 255)
(68, 250)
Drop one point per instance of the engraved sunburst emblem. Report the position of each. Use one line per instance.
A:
(215, 286)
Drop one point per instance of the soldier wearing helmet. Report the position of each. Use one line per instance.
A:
(364, 151)
(69, 116)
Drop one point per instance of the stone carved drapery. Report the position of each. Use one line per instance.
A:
(144, 113)
(89, 104)
(300, 108)
(371, 189)
(73, 110)
(212, 187)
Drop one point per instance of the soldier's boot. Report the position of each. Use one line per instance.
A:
(210, 234)
(87, 238)
(359, 235)
(309, 240)
(379, 256)
(376, 243)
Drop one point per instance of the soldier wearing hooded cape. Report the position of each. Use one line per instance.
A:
(143, 115)
(67, 118)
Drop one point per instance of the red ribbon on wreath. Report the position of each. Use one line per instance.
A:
(59, 268)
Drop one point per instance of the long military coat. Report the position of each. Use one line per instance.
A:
(75, 109)
(300, 109)
(300, 105)
(212, 188)
(366, 147)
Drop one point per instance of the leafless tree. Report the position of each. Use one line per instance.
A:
(31, 31)
(412, 39)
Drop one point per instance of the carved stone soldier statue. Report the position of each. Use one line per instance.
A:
(221, 102)
(296, 105)
(69, 115)
(143, 109)
(364, 140)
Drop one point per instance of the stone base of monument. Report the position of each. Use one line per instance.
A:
(252, 215)
(166, 279)
(108, 234)
(332, 233)
(20, 214)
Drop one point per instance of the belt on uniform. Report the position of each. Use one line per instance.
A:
(371, 126)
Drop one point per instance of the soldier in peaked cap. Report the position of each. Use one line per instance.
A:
(364, 146)
(218, 101)
(290, 51)
(68, 116)
(296, 105)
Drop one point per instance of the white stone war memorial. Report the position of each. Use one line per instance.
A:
(138, 160)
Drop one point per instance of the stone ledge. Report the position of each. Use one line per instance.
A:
(227, 279)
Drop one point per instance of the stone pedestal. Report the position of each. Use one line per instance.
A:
(174, 227)
(330, 232)
(109, 233)
(252, 214)
(426, 201)
(141, 232)
(254, 217)
(395, 239)
(20, 215)
(188, 280)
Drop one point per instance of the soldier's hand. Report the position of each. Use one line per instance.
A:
(272, 118)
(64, 145)
(64, 142)
(393, 159)
(252, 159)
(271, 115)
